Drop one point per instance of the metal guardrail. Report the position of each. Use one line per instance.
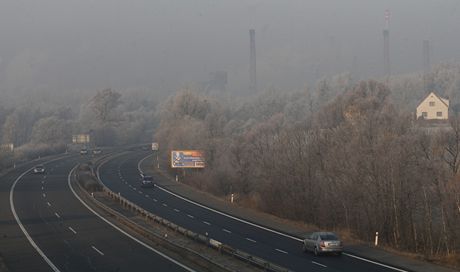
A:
(220, 247)
(158, 239)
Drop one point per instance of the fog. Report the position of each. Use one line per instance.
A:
(161, 45)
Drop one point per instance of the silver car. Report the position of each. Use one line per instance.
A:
(323, 242)
(39, 169)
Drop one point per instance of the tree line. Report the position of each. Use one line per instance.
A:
(345, 155)
(46, 127)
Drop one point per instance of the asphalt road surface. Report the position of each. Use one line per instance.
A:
(46, 228)
(121, 174)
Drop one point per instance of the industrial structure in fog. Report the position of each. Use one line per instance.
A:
(386, 46)
(252, 61)
(426, 64)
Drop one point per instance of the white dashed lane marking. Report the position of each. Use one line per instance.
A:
(72, 230)
(176, 210)
(282, 251)
(154, 200)
(251, 240)
(97, 250)
(318, 264)
(44, 195)
(226, 230)
(49, 204)
(164, 204)
(191, 216)
(207, 223)
(57, 215)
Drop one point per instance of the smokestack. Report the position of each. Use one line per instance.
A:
(386, 46)
(426, 64)
(252, 61)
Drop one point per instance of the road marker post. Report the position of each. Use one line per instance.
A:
(231, 198)
(376, 243)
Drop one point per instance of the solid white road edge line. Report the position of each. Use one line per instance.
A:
(21, 226)
(377, 263)
(253, 224)
(122, 231)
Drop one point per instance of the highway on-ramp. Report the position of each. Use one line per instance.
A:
(45, 227)
(121, 174)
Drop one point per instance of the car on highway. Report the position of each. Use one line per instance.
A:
(39, 169)
(322, 242)
(147, 181)
(83, 151)
(97, 151)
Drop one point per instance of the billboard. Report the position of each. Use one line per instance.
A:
(7, 147)
(155, 146)
(187, 159)
(80, 139)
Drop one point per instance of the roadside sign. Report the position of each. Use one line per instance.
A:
(155, 146)
(187, 159)
(80, 139)
(7, 147)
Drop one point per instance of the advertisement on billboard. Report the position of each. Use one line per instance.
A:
(7, 147)
(80, 139)
(187, 159)
(155, 146)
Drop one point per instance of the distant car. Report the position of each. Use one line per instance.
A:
(39, 169)
(147, 181)
(97, 151)
(83, 151)
(323, 242)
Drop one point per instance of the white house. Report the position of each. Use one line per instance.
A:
(433, 107)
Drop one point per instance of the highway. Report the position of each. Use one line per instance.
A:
(45, 227)
(121, 174)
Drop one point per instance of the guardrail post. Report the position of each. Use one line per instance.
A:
(376, 242)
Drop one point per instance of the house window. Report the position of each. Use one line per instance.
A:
(432, 104)
(439, 114)
(424, 114)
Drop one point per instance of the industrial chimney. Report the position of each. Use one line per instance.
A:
(252, 61)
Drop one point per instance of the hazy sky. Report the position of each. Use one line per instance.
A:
(67, 45)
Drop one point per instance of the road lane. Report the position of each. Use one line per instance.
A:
(121, 175)
(72, 237)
